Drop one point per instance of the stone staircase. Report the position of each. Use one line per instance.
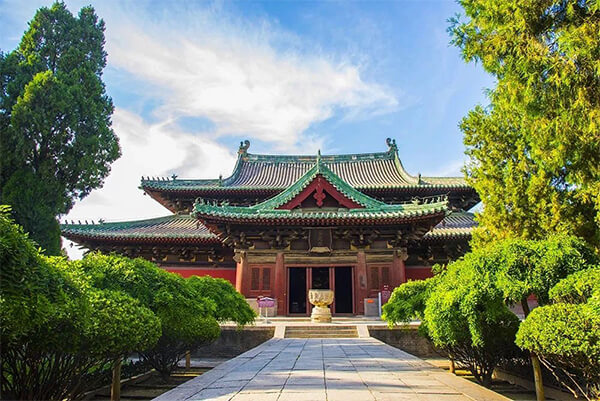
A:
(321, 332)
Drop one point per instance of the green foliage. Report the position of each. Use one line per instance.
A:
(55, 328)
(22, 190)
(462, 312)
(578, 287)
(186, 316)
(18, 254)
(535, 150)
(464, 308)
(408, 301)
(230, 304)
(56, 139)
(465, 315)
(566, 334)
(526, 267)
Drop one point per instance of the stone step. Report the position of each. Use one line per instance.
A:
(318, 333)
(321, 332)
(315, 327)
(324, 336)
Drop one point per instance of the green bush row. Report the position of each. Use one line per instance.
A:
(61, 321)
(467, 309)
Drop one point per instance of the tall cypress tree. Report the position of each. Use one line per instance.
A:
(535, 150)
(56, 139)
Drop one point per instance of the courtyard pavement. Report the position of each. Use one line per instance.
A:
(353, 369)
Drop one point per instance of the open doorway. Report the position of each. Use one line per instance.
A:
(297, 291)
(320, 278)
(343, 290)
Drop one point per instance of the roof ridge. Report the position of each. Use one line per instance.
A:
(349, 157)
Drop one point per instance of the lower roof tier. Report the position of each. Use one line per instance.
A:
(182, 228)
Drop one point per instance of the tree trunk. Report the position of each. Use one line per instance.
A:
(487, 378)
(115, 388)
(535, 362)
(188, 360)
(452, 366)
(537, 375)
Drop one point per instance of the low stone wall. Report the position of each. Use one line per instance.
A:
(407, 338)
(233, 342)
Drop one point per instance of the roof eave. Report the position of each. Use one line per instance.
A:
(80, 237)
(212, 219)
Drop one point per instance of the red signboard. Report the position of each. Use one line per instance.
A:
(385, 294)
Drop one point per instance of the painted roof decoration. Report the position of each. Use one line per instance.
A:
(370, 208)
(363, 171)
(169, 228)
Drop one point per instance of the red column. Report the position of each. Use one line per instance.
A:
(241, 273)
(360, 282)
(402, 254)
(280, 285)
(398, 269)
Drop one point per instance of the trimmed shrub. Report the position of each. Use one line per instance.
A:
(465, 315)
(566, 334)
(187, 318)
(408, 301)
(462, 312)
(56, 329)
(230, 304)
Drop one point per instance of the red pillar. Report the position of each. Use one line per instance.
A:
(241, 274)
(280, 285)
(360, 282)
(398, 269)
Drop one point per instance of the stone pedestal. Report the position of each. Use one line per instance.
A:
(321, 299)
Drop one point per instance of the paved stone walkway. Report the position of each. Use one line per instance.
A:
(354, 369)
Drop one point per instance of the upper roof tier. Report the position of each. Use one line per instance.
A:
(303, 202)
(363, 171)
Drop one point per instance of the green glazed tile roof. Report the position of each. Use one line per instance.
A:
(456, 225)
(372, 209)
(175, 227)
(366, 171)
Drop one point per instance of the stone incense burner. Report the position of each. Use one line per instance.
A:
(321, 299)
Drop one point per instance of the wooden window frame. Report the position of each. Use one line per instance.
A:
(380, 268)
(264, 289)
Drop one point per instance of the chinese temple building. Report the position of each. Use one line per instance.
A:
(280, 225)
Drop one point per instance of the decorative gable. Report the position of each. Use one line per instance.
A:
(320, 193)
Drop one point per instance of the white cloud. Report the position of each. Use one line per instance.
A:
(230, 72)
(149, 150)
(249, 77)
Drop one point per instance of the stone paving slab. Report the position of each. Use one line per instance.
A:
(354, 369)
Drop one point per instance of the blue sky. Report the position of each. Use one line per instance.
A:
(190, 80)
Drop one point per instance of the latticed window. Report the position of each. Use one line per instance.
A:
(374, 278)
(385, 276)
(378, 277)
(266, 279)
(260, 279)
(255, 282)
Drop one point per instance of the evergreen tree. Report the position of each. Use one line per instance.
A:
(56, 139)
(535, 150)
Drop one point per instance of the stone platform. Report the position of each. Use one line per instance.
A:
(355, 369)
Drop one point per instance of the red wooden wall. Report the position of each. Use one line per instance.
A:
(227, 274)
